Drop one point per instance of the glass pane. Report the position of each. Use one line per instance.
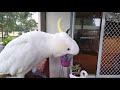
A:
(86, 33)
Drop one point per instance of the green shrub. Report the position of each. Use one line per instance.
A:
(10, 38)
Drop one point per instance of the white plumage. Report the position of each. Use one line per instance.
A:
(23, 53)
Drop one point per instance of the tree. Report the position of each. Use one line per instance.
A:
(16, 21)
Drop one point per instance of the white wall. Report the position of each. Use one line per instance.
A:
(51, 26)
(52, 18)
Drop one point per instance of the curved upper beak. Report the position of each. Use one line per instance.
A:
(74, 49)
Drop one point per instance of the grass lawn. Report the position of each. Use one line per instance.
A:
(10, 36)
(0, 39)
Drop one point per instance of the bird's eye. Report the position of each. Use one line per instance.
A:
(68, 49)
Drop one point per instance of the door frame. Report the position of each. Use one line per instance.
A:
(72, 26)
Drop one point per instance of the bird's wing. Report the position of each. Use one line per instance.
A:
(15, 57)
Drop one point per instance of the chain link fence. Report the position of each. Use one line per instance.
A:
(110, 51)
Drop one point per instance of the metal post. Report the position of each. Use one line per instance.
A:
(101, 43)
(72, 24)
(39, 21)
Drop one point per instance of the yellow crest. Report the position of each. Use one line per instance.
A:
(59, 25)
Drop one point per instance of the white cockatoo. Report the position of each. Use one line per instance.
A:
(26, 51)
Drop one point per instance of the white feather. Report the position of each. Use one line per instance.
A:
(25, 52)
(21, 53)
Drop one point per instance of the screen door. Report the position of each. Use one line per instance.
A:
(109, 50)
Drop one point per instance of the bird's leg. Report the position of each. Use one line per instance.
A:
(11, 76)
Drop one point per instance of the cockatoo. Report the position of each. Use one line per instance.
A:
(26, 51)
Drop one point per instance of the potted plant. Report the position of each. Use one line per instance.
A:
(77, 72)
(76, 69)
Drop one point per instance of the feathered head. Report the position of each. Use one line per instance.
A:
(63, 43)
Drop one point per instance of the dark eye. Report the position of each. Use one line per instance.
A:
(68, 49)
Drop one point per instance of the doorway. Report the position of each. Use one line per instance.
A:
(87, 35)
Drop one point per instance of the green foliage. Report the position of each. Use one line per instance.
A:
(16, 21)
(10, 38)
(0, 39)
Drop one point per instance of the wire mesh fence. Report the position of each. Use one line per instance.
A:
(110, 53)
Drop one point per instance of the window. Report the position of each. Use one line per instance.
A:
(86, 34)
